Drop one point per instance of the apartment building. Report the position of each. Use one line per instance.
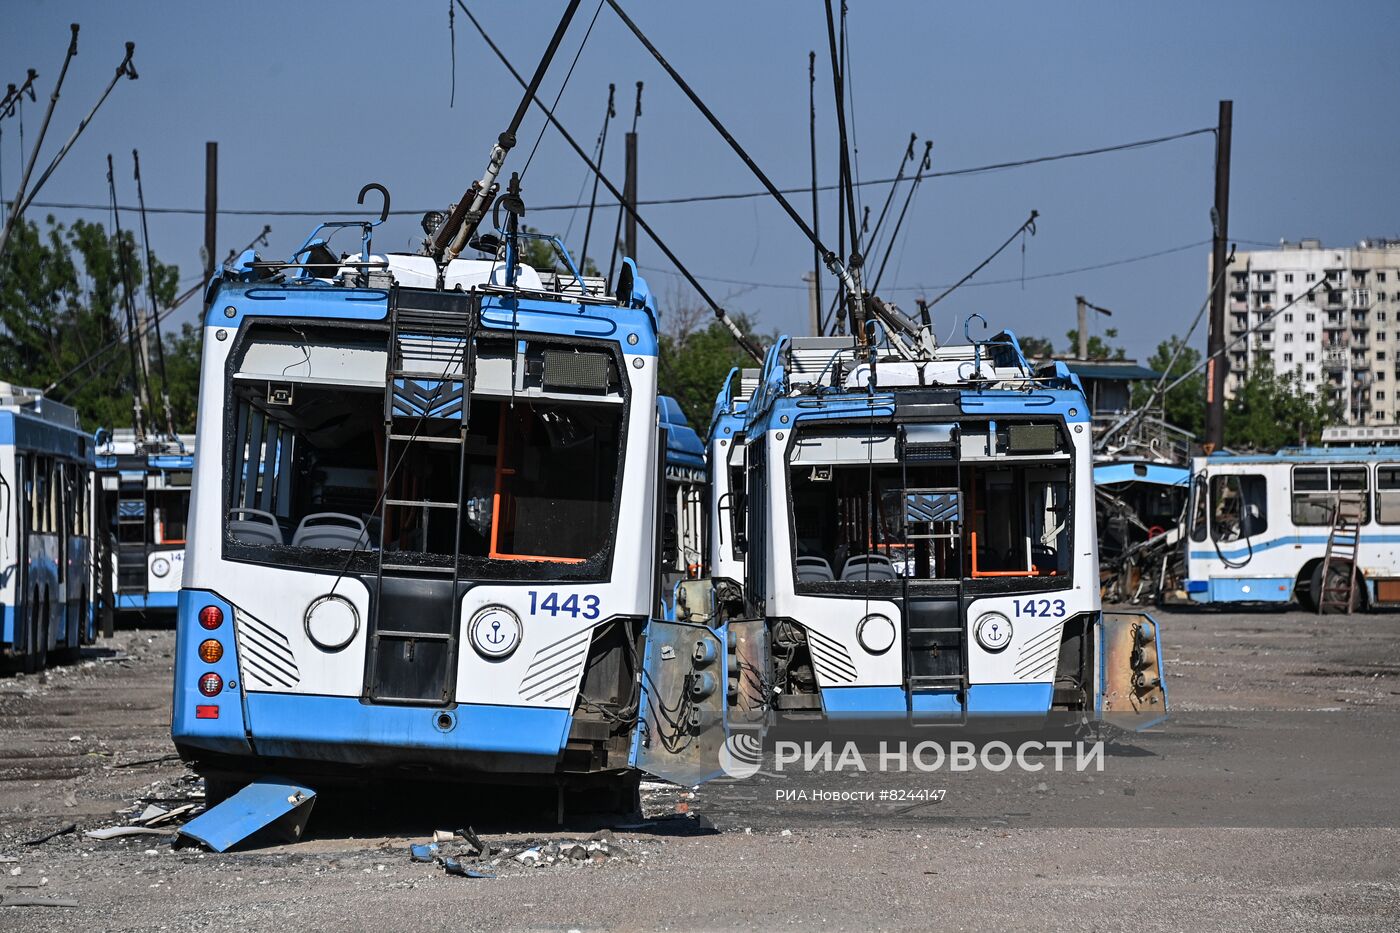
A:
(1341, 340)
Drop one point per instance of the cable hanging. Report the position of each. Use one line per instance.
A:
(719, 312)
(663, 202)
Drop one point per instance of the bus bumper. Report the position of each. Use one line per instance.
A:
(295, 729)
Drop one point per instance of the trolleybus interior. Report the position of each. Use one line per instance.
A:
(539, 471)
(872, 507)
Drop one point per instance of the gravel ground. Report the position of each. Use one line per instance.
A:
(1266, 803)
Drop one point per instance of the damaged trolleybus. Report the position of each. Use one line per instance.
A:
(425, 530)
(916, 527)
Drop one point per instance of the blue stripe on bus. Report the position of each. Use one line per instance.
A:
(1258, 546)
(1243, 590)
(148, 601)
(322, 727)
(981, 698)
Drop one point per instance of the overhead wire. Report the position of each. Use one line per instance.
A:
(719, 311)
(1029, 225)
(985, 282)
(662, 202)
(557, 97)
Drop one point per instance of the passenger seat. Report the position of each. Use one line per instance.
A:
(254, 526)
(330, 530)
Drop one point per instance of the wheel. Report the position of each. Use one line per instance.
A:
(1337, 576)
(1303, 590)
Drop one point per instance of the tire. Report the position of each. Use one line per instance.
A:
(1338, 574)
(1304, 592)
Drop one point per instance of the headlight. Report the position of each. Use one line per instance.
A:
(876, 634)
(495, 632)
(993, 631)
(331, 622)
(160, 567)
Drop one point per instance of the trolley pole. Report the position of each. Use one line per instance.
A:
(211, 207)
(1218, 366)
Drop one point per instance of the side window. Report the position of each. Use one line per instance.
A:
(1312, 502)
(1316, 491)
(1351, 483)
(1198, 509)
(1388, 494)
(1239, 506)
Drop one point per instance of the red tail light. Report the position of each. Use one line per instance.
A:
(206, 712)
(211, 617)
(210, 684)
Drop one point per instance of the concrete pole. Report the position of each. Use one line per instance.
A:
(1217, 366)
(1083, 314)
(814, 309)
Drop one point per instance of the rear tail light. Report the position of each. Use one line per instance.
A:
(211, 617)
(210, 684)
(210, 651)
(206, 712)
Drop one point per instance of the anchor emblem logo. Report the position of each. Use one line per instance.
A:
(495, 632)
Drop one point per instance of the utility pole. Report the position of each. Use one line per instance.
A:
(816, 220)
(1217, 366)
(1083, 308)
(629, 190)
(814, 302)
(211, 207)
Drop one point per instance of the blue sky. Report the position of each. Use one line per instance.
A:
(308, 106)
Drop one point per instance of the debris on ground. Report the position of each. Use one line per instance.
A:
(116, 832)
(40, 840)
(423, 853)
(468, 855)
(264, 811)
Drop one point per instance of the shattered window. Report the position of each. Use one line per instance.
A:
(1239, 507)
(1318, 490)
(1388, 494)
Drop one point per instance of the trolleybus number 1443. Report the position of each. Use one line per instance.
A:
(588, 607)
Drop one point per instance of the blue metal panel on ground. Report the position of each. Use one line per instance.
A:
(344, 729)
(279, 807)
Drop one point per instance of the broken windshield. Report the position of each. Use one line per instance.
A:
(869, 510)
(528, 490)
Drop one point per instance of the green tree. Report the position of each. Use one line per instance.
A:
(1099, 347)
(695, 359)
(63, 295)
(1272, 410)
(1036, 347)
(541, 256)
(1183, 406)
